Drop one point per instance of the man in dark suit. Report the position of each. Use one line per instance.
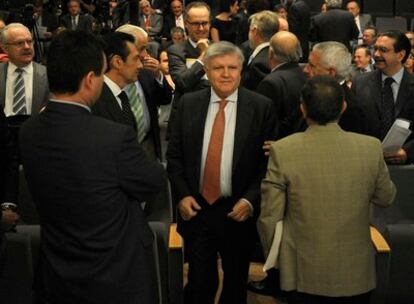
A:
(24, 91)
(263, 25)
(285, 81)
(74, 20)
(87, 176)
(124, 64)
(299, 24)
(152, 89)
(174, 19)
(334, 25)
(185, 59)
(388, 92)
(215, 164)
(333, 58)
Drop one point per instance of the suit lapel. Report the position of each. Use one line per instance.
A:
(406, 84)
(112, 104)
(197, 122)
(3, 77)
(39, 80)
(243, 124)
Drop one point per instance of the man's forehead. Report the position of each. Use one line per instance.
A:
(199, 13)
(385, 41)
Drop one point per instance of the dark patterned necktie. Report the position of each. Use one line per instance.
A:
(388, 107)
(19, 96)
(127, 115)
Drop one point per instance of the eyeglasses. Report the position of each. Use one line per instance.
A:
(21, 44)
(381, 49)
(198, 24)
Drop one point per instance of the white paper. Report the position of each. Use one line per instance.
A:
(396, 136)
(41, 30)
(273, 257)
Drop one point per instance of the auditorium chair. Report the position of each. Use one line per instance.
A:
(404, 8)
(397, 225)
(391, 23)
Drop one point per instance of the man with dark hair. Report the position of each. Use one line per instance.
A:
(87, 176)
(334, 25)
(321, 201)
(124, 64)
(388, 92)
(215, 164)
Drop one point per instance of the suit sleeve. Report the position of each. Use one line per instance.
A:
(384, 188)
(184, 78)
(273, 203)
(156, 27)
(139, 176)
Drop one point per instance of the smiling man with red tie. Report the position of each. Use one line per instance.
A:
(215, 165)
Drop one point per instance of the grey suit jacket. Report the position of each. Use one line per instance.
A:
(40, 86)
(156, 23)
(321, 183)
(364, 20)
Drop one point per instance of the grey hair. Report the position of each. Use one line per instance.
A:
(267, 22)
(333, 3)
(335, 55)
(281, 55)
(131, 29)
(222, 48)
(4, 32)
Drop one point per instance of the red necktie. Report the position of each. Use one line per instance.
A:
(147, 22)
(211, 182)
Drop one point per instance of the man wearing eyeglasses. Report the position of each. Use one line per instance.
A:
(388, 93)
(24, 90)
(186, 58)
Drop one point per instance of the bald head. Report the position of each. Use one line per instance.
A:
(283, 24)
(284, 48)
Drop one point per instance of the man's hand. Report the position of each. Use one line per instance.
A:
(152, 64)
(202, 45)
(266, 147)
(188, 208)
(396, 158)
(241, 211)
(9, 217)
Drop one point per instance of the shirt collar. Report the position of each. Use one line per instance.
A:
(397, 77)
(259, 48)
(215, 98)
(71, 103)
(28, 68)
(278, 66)
(115, 89)
(194, 44)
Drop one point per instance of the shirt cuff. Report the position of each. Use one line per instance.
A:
(250, 205)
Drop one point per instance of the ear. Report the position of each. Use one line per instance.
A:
(401, 55)
(303, 110)
(89, 80)
(115, 62)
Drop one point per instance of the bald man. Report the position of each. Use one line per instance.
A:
(285, 81)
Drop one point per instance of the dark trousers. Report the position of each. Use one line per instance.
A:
(211, 233)
(295, 297)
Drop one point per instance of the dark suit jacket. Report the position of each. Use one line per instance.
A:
(353, 119)
(256, 70)
(368, 87)
(299, 24)
(40, 97)
(87, 176)
(334, 25)
(283, 87)
(107, 106)
(254, 124)
(169, 23)
(155, 95)
(84, 22)
(185, 79)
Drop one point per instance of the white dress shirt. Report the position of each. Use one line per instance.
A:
(396, 84)
(28, 87)
(115, 89)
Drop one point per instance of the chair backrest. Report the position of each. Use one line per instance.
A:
(391, 23)
(404, 8)
(379, 7)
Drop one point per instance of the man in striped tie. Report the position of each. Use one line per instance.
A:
(215, 166)
(24, 90)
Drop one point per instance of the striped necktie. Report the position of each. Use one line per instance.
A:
(19, 97)
(137, 109)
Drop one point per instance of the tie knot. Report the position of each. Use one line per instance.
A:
(123, 96)
(222, 104)
(388, 81)
(19, 70)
